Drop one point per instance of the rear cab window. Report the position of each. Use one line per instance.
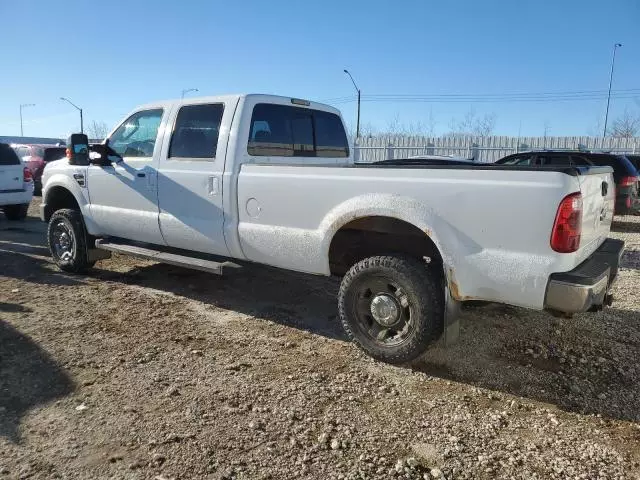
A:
(555, 160)
(288, 131)
(8, 155)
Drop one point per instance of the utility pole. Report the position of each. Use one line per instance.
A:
(606, 115)
(357, 90)
(23, 105)
(187, 90)
(78, 108)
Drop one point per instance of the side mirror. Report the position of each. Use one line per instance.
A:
(97, 159)
(78, 149)
(100, 154)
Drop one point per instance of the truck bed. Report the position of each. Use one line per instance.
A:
(492, 223)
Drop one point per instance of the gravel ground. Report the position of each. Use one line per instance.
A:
(145, 371)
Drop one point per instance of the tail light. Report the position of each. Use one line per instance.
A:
(27, 176)
(628, 181)
(567, 229)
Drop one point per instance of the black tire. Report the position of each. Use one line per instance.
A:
(410, 289)
(16, 212)
(67, 240)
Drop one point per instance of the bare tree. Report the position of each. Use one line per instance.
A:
(547, 127)
(367, 130)
(97, 130)
(484, 126)
(430, 130)
(471, 124)
(393, 126)
(626, 125)
(595, 130)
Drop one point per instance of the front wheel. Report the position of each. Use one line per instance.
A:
(68, 241)
(392, 307)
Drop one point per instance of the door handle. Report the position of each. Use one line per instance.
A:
(604, 188)
(213, 185)
(141, 175)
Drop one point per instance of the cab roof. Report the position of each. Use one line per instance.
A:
(256, 97)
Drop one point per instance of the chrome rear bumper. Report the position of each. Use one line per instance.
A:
(586, 287)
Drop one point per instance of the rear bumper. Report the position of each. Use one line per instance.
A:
(627, 206)
(586, 287)
(19, 197)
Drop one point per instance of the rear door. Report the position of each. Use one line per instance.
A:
(190, 176)
(11, 170)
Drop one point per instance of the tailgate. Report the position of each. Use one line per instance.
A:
(598, 202)
(11, 177)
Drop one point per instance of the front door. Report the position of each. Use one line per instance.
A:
(190, 177)
(124, 196)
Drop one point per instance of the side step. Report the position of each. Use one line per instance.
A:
(164, 257)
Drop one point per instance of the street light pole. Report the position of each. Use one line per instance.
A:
(357, 90)
(187, 90)
(22, 105)
(79, 109)
(606, 115)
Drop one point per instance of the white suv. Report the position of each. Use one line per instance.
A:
(16, 184)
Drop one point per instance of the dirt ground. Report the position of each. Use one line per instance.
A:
(145, 371)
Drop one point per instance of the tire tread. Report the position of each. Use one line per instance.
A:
(429, 326)
(80, 263)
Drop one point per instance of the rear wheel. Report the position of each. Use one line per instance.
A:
(67, 240)
(392, 307)
(16, 212)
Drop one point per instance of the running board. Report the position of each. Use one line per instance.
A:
(164, 257)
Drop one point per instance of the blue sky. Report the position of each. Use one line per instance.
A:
(109, 56)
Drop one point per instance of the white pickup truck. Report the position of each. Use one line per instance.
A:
(265, 179)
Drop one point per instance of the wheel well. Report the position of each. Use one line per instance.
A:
(57, 198)
(376, 235)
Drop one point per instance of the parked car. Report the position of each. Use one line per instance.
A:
(16, 184)
(635, 159)
(443, 158)
(624, 173)
(36, 157)
(219, 181)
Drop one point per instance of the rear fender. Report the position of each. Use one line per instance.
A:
(452, 244)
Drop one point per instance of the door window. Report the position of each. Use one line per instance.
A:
(136, 137)
(196, 131)
(554, 160)
(579, 161)
(524, 159)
